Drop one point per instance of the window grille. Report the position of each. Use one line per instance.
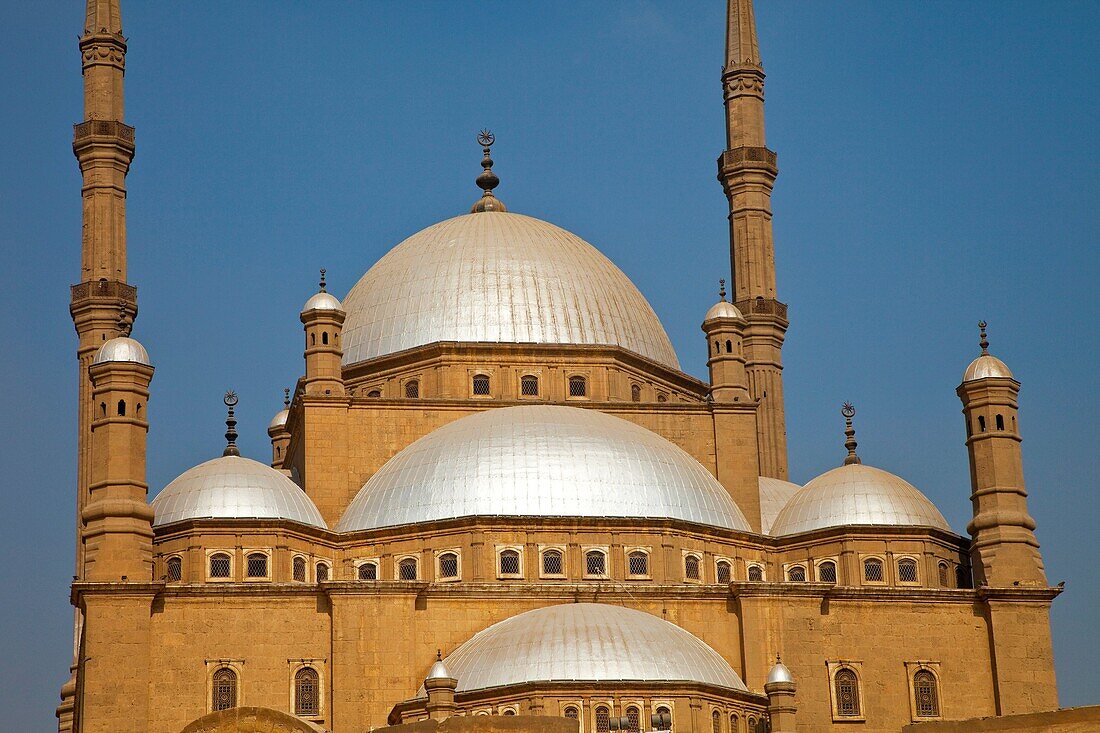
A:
(448, 565)
(847, 694)
(509, 711)
(691, 567)
(638, 563)
(257, 565)
(481, 384)
(715, 722)
(735, 723)
(572, 713)
(756, 573)
(664, 716)
(723, 571)
(662, 398)
(603, 720)
(907, 571)
(224, 690)
(551, 563)
(509, 562)
(219, 566)
(872, 570)
(595, 563)
(927, 696)
(368, 571)
(633, 720)
(300, 569)
(412, 389)
(529, 386)
(578, 387)
(306, 692)
(374, 394)
(322, 572)
(826, 572)
(796, 574)
(175, 569)
(406, 569)
(635, 393)
(944, 576)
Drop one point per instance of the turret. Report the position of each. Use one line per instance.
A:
(278, 432)
(323, 318)
(1004, 551)
(780, 689)
(724, 326)
(117, 520)
(440, 686)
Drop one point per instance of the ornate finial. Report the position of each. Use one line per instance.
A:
(125, 325)
(722, 288)
(230, 401)
(488, 180)
(322, 283)
(984, 343)
(777, 659)
(439, 655)
(848, 411)
(286, 397)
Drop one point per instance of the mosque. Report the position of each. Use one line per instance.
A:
(494, 492)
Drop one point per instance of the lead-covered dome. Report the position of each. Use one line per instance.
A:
(122, 348)
(232, 487)
(857, 494)
(502, 278)
(540, 461)
(586, 642)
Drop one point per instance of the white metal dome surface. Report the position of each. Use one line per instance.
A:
(853, 495)
(774, 495)
(236, 488)
(122, 348)
(541, 460)
(279, 420)
(722, 309)
(323, 301)
(986, 365)
(503, 278)
(587, 642)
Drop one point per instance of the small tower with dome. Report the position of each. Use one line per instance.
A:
(323, 318)
(780, 689)
(278, 432)
(724, 326)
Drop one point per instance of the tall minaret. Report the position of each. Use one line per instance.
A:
(747, 171)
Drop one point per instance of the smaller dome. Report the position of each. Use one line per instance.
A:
(774, 495)
(439, 671)
(279, 421)
(722, 309)
(780, 673)
(122, 349)
(323, 301)
(232, 487)
(984, 366)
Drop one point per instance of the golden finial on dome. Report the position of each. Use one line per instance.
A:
(487, 180)
(849, 411)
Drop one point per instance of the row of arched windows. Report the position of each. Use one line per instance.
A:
(481, 386)
(874, 571)
(120, 409)
(998, 421)
(324, 338)
(848, 697)
(225, 681)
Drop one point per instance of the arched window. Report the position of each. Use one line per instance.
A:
(324, 338)
(981, 423)
(847, 693)
(722, 571)
(406, 569)
(509, 562)
(368, 571)
(508, 711)
(945, 577)
(448, 565)
(872, 570)
(715, 722)
(122, 408)
(220, 565)
(637, 563)
(224, 689)
(664, 718)
(322, 572)
(926, 694)
(756, 573)
(256, 565)
(752, 724)
(635, 393)
(826, 572)
(1000, 419)
(374, 394)
(717, 348)
(969, 428)
(103, 409)
(412, 389)
(603, 719)
(962, 580)
(796, 574)
(529, 385)
(907, 570)
(481, 384)
(578, 386)
(299, 569)
(633, 720)
(572, 713)
(313, 339)
(175, 569)
(137, 410)
(307, 692)
(552, 563)
(662, 398)
(691, 567)
(729, 346)
(735, 723)
(595, 562)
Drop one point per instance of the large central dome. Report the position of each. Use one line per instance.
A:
(501, 278)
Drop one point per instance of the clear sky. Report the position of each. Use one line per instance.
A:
(938, 164)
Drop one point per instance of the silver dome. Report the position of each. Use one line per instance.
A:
(986, 365)
(504, 278)
(857, 494)
(279, 421)
(722, 309)
(236, 488)
(541, 460)
(779, 673)
(322, 301)
(586, 642)
(774, 495)
(439, 671)
(122, 349)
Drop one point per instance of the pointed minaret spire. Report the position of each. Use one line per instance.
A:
(230, 400)
(848, 411)
(488, 180)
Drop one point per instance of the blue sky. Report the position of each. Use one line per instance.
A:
(938, 164)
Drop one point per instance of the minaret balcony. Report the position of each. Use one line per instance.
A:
(101, 132)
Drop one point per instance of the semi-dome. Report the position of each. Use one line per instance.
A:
(501, 278)
(774, 495)
(232, 487)
(122, 348)
(541, 460)
(986, 365)
(857, 494)
(586, 642)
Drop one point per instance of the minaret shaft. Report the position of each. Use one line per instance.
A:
(747, 171)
